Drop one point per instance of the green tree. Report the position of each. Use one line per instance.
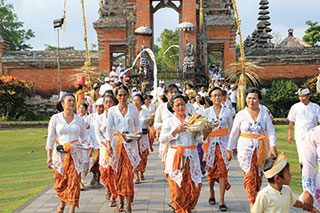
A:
(170, 59)
(312, 35)
(11, 28)
(280, 97)
(12, 95)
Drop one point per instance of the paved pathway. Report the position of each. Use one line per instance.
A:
(150, 196)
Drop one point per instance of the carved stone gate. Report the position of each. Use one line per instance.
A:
(118, 20)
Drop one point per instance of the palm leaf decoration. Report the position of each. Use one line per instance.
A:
(242, 72)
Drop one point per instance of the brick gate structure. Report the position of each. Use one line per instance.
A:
(119, 19)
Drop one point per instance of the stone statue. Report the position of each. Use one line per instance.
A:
(188, 62)
(143, 59)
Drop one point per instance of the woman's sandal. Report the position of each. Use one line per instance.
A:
(212, 201)
(120, 207)
(223, 208)
(60, 209)
(137, 181)
(113, 203)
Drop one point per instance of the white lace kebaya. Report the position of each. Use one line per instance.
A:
(59, 130)
(225, 120)
(184, 138)
(244, 123)
(128, 123)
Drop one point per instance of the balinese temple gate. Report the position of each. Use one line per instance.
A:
(213, 30)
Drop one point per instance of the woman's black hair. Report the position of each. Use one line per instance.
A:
(268, 165)
(168, 89)
(108, 92)
(254, 90)
(215, 88)
(85, 105)
(224, 93)
(59, 104)
(121, 87)
(201, 99)
(140, 97)
(109, 95)
(170, 103)
(207, 99)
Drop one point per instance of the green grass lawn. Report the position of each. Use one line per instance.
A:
(292, 156)
(23, 171)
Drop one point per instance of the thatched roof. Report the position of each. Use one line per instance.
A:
(292, 41)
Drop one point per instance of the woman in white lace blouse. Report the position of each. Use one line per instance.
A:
(123, 120)
(252, 129)
(65, 133)
(182, 162)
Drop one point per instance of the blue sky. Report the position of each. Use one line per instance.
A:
(39, 14)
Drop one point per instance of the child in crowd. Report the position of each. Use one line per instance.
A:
(277, 196)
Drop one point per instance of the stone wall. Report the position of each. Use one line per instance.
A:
(287, 63)
(41, 68)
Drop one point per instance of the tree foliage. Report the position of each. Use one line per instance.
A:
(12, 95)
(170, 59)
(280, 97)
(11, 28)
(312, 35)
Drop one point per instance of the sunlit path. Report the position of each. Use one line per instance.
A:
(150, 196)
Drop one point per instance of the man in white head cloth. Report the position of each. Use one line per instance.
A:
(119, 69)
(302, 116)
(106, 86)
(159, 90)
(113, 75)
(94, 144)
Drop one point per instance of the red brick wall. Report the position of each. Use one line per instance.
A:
(106, 37)
(188, 14)
(288, 71)
(46, 80)
(223, 34)
(143, 13)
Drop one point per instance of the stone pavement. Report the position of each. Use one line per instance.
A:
(150, 196)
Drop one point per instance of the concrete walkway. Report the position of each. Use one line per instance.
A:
(150, 196)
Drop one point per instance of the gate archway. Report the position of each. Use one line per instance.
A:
(118, 20)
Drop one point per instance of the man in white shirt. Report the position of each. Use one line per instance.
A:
(119, 69)
(106, 86)
(303, 116)
(232, 94)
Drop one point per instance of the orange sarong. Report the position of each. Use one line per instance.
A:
(214, 133)
(143, 163)
(178, 156)
(263, 148)
(107, 178)
(123, 178)
(151, 135)
(219, 169)
(252, 180)
(67, 186)
(184, 198)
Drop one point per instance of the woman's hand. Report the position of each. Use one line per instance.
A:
(274, 151)
(180, 128)
(206, 131)
(307, 201)
(235, 153)
(49, 163)
(229, 155)
(109, 149)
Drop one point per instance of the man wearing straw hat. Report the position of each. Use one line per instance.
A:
(303, 116)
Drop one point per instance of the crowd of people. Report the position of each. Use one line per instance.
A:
(113, 130)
